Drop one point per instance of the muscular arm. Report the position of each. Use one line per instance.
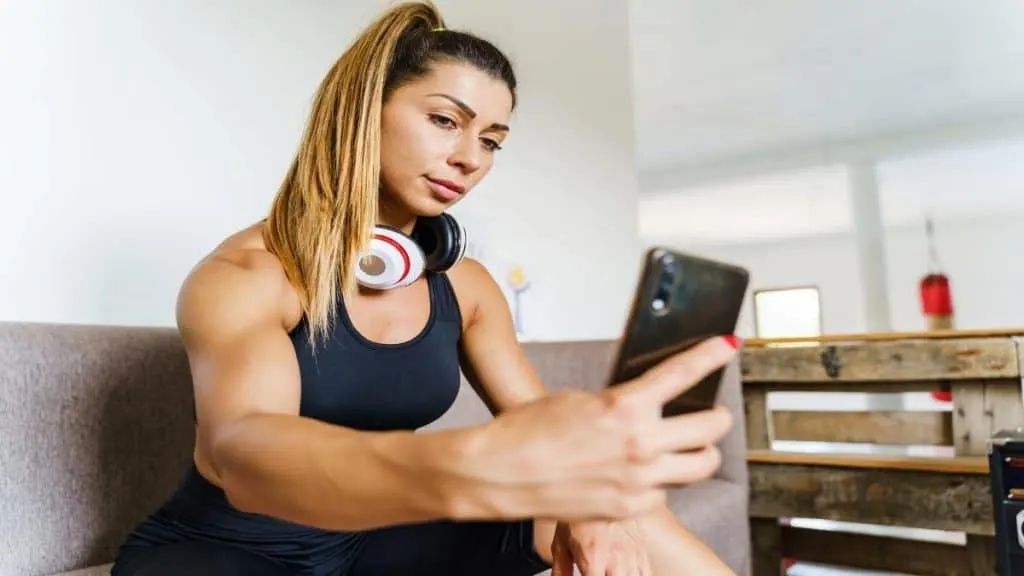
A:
(492, 358)
(251, 440)
(498, 369)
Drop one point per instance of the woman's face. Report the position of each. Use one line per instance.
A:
(439, 135)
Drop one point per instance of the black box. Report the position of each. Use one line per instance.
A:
(1006, 474)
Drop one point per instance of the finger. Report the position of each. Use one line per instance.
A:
(687, 432)
(679, 372)
(561, 564)
(622, 565)
(642, 567)
(683, 468)
(593, 562)
(635, 500)
(630, 565)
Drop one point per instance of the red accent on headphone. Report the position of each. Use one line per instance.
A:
(401, 250)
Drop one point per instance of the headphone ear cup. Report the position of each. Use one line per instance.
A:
(392, 260)
(442, 239)
(462, 241)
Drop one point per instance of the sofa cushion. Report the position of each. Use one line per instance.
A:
(103, 570)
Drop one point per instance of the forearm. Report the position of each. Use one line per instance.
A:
(674, 549)
(334, 478)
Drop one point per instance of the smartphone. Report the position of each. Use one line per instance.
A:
(680, 300)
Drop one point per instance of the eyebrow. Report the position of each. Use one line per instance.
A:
(468, 111)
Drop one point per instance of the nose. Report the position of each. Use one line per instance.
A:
(467, 155)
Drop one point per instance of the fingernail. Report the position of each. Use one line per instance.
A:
(732, 340)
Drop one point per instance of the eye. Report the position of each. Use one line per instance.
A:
(490, 145)
(443, 121)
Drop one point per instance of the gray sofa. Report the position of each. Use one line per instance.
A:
(96, 428)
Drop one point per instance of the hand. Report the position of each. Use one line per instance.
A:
(576, 455)
(599, 549)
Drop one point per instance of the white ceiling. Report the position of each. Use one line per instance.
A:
(721, 79)
(950, 184)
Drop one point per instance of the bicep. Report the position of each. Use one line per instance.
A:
(494, 361)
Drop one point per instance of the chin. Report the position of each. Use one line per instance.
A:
(431, 206)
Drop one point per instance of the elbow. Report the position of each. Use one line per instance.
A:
(228, 460)
(241, 502)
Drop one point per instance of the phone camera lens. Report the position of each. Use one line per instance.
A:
(662, 296)
(669, 269)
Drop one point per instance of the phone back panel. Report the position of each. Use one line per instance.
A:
(680, 301)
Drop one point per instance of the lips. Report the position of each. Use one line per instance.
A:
(447, 189)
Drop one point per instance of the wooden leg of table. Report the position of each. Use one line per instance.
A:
(982, 551)
(766, 546)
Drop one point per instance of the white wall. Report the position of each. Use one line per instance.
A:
(795, 229)
(981, 256)
(137, 135)
(828, 262)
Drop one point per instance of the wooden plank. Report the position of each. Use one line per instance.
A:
(980, 409)
(765, 547)
(969, 421)
(881, 553)
(843, 387)
(879, 427)
(897, 360)
(755, 406)
(982, 553)
(941, 501)
(1009, 332)
(961, 465)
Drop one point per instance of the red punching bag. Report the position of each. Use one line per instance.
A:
(936, 301)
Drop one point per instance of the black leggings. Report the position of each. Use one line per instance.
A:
(449, 548)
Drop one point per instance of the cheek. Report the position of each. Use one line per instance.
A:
(411, 147)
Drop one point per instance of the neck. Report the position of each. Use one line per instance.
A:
(395, 217)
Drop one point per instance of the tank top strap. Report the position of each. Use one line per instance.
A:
(443, 299)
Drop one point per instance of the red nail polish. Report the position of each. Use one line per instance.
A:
(732, 341)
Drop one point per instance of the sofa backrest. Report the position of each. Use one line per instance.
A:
(96, 428)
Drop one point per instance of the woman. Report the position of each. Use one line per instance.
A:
(313, 371)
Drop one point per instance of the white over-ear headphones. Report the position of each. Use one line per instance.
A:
(395, 259)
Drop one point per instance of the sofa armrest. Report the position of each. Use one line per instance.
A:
(734, 445)
(726, 529)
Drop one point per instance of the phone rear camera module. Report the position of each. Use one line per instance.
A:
(660, 302)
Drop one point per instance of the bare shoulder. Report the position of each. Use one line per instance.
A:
(478, 292)
(236, 287)
(471, 272)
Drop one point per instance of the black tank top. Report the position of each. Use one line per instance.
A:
(350, 381)
(366, 385)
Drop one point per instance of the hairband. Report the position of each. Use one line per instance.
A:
(438, 29)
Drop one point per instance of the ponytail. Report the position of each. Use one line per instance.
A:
(323, 215)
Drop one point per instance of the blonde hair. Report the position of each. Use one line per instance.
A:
(323, 215)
